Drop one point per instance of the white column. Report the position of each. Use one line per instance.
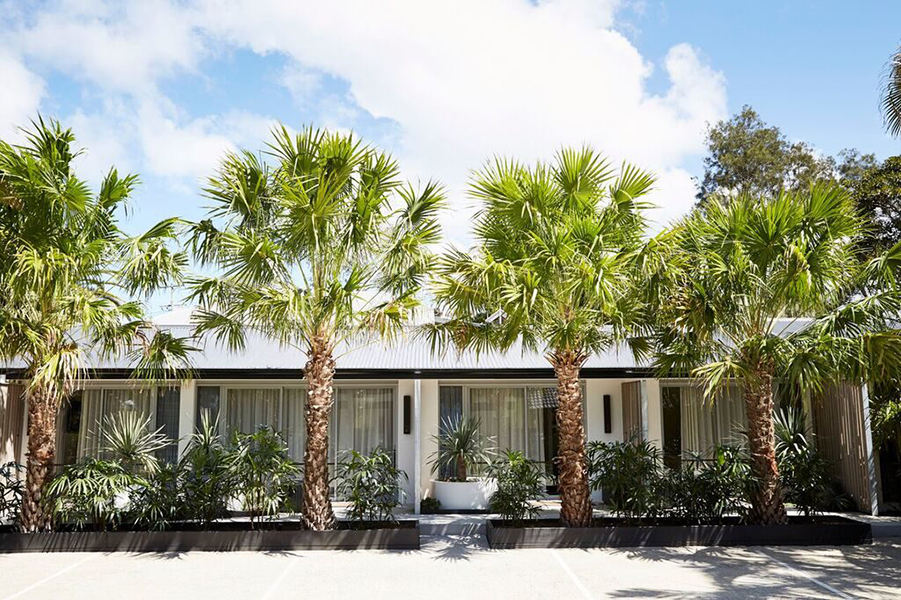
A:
(417, 445)
(187, 408)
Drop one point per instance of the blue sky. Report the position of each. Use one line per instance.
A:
(165, 88)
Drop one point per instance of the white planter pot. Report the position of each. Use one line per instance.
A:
(474, 494)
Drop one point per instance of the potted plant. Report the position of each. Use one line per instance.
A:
(461, 450)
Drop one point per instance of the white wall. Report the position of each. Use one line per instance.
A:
(428, 427)
(405, 442)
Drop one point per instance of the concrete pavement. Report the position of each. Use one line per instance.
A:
(461, 566)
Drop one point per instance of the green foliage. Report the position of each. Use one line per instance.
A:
(708, 490)
(67, 265)
(461, 448)
(807, 480)
(877, 193)
(93, 492)
(206, 480)
(372, 485)
(161, 500)
(128, 439)
(263, 474)
(520, 483)
(885, 414)
(629, 475)
(12, 488)
(890, 101)
(311, 247)
(430, 505)
(555, 246)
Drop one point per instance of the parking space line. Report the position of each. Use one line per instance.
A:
(811, 578)
(270, 593)
(578, 582)
(54, 576)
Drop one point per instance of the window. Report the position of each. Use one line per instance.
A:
(97, 405)
(362, 419)
(519, 418)
(207, 404)
(692, 426)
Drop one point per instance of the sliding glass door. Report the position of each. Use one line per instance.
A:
(514, 417)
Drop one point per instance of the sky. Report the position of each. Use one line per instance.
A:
(165, 88)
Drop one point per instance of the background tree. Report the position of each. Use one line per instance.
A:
(314, 256)
(726, 276)
(877, 193)
(553, 255)
(65, 266)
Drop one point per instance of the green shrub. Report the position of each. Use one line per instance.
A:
(12, 489)
(461, 449)
(520, 482)
(155, 505)
(205, 478)
(129, 440)
(806, 475)
(263, 473)
(629, 475)
(372, 484)
(94, 491)
(429, 506)
(707, 491)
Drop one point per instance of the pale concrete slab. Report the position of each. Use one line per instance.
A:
(458, 567)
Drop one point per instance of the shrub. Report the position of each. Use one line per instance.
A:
(806, 476)
(264, 475)
(372, 484)
(629, 475)
(129, 440)
(155, 505)
(94, 491)
(707, 491)
(12, 489)
(429, 506)
(206, 480)
(460, 448)
(519, 483)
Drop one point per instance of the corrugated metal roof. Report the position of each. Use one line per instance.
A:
(408, 353)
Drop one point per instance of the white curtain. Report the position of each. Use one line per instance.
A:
(501, 413)
(99, 405)
(364, 419)
(250, 409)
(293, 424)
(541, 405)
(705, 425)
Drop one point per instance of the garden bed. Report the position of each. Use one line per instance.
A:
(613, 533)
(231, 536)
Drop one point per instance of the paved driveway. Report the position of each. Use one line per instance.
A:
(462, 567)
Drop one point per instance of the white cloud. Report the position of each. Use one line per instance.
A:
(462, 81)
(124, 47)
(467, 80)
(20, 95)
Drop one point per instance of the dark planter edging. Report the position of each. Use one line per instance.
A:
(837, 531)
(401, 538)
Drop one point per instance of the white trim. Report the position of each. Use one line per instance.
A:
(417, 445)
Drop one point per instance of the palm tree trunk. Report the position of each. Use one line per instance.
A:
(575, 505)
(461, 469)
(767, 507)
(317, 511)
(42, 412)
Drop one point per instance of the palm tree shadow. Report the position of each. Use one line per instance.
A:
(454, 548)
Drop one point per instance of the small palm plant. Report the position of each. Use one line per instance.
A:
(460, 448)
(129, 439)
(372, 484)
(264, 474)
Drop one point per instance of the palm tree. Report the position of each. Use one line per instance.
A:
(890, 103)
(554, 250)
(65, 263)
(313, 255)
(767, 291)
